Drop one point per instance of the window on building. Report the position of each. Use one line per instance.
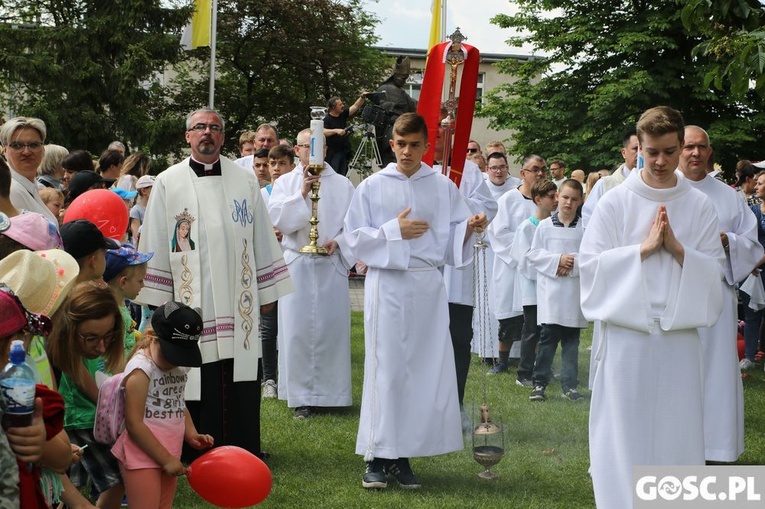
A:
(414, 85)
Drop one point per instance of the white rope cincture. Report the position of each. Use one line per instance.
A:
(370, 454)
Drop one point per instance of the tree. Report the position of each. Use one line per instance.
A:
(88, 68)
(609, 60)
(95, 71)
(275, 59)
(733, 37)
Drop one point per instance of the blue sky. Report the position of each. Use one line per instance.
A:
(406, 23)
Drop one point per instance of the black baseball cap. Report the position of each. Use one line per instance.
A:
(81, 238)
(178, 328)
(83, 181)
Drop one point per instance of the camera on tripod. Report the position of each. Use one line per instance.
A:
(355, 128)
(375, 97)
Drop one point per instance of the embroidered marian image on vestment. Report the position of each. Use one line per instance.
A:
(241, 212)
(246, 300)
(182, 233)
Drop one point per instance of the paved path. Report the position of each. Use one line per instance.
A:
(356, 287)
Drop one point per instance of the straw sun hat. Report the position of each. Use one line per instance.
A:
(41, 279)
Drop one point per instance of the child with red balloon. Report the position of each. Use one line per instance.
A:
(156, 419)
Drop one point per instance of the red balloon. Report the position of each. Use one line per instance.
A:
(104, 209)
(230, 476)
(740, 344)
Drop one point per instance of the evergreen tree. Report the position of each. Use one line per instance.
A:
(90, 69)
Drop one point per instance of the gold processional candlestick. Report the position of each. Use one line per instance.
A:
(315, 167)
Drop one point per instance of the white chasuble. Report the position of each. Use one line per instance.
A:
(409, 404)
(314, 320)
(648, 387)
(214, 248)
(723, 390)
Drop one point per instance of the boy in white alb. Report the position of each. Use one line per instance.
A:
(405, 222)
(651, 272)
(553, 255)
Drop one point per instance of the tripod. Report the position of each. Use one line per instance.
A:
(367, 158)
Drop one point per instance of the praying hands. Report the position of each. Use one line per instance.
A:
(661, 235)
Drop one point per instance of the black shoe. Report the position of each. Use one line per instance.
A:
(538, 394)
(499, 367)
(573, 395)
(375, 477)
(304, 412)
(402, 471)
(524, 382)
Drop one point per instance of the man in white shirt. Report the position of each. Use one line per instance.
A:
(558, 172)
(266, 136)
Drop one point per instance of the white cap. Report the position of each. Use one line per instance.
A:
(145, 181)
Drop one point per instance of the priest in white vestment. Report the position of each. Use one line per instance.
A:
(404, 223)
(232, 268)
(651, 267)
(314, 320)
(723, 390)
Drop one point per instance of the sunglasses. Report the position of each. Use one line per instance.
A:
(472, 150)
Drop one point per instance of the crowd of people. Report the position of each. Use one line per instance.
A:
(210, 302)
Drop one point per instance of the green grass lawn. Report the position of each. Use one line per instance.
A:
(545, 464)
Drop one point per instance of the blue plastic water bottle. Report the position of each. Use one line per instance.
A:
(17, 384)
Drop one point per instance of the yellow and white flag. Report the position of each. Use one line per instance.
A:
(197, 33)
(436, 23)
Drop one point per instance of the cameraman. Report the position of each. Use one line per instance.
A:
(338, 143)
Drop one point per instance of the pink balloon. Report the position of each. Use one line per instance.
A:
(230, 476)
(104, 209)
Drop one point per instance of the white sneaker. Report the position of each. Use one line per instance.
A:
(269, 389)
(745, 364)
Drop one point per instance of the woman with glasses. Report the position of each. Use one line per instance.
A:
(23, 140)
(87, 337)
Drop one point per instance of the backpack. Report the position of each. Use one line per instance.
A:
(110, 410)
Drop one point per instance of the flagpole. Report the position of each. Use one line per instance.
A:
(443, 19)
(213, 37)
